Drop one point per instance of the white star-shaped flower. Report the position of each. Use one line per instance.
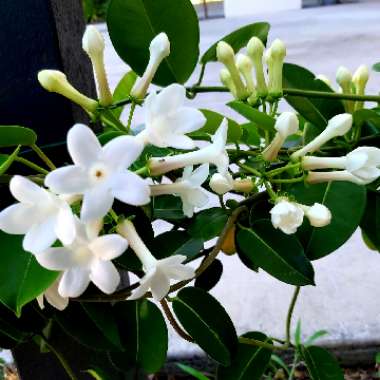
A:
(41, 215)
(100, 173)
(167, 120)
(87, 258)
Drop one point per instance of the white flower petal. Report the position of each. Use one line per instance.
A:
(41, 236)
(180, 272)
(55, 299)
(26, 191)
(83, 145)
(143, 287)
(131, 189)
(108, 247)
(74, 282)
(18, 219)
(199, 175)
(160, 285)
(67, 180)
(65, 225)
(187, 119)
(105, 276)
(174, 141)
(122, 151)
(168, 100)
(96, 203)
(59, 258)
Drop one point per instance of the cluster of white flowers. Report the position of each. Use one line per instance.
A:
(237, 75)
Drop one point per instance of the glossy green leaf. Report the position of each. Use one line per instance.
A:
(370, 223)
(208, 223)
(144, 336)
(314, 110)
(213, 121)
(27, 279)
(210, 277)
(280, 255)
(376, 67)
(204, 318)
(106, 137)
(122, 90)
(238, 39)
(345, 200)
(167, 207)
(85, 326)
(176, 243)
(262, 120)
(13, 135)
(321, 364)
(132, 24)
(249, 363)
(7, 160)
(193, 372)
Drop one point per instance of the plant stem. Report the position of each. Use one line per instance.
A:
(61, 358)
(290, 313)
(259, 343)
(277, 171)
(250, 170)
(290, 180)
(131, 112)
(270, 191)
(173, 322)
(294, 364)
(31, 165)
(43, 157)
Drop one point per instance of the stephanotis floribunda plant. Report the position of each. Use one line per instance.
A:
(279, 190)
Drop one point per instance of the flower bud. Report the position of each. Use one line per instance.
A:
(360, 80)
(56, 81)
(225, 78)
(344, 79)
(93, 45)
(286, 124)
(221, 184)
(339, 125)
(319, 215)
(255, 50)
(244, 64)
(159, 49)
(287, 216)
(275, 61)
(226, 55)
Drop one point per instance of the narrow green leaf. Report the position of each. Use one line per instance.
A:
(204, 318)
(133, 24)
(249, 363)
(321, 364)
(6, 161)
(297, 334)
(280, 255)
(122, 90)
(317, 335)
(27, 280)
(238, 39)
(13, 135)
(193, 372)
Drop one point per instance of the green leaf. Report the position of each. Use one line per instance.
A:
(210, 277)
(144, 336)
(13, 135)
(204, 318)
(321, 364)
(280, 255)
(167, 207)
(97, 374)
(132, 24)
(27, 279)
(213, 121)
(238, 39)
(249, 363)
(85, 326)
(250, 135)
(370, 223)
(106, 137)
(345, 200)
(7, 160)
(297, 334)
(376, 67)
(193, 372)
(176, 243)
(314, 110)
(260, 119)
(122, 90)
(317, 335)
(208, 223)
(103, 318)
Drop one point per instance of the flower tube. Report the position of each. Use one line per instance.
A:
(226, 79)
(360, 80)
(255, 50)
(275, 61)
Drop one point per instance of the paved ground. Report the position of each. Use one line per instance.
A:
(345, 302)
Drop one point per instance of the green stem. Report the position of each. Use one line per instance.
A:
(142, 171)
(43, 157)
(131, 112)
(259, 343)
(270, 191)
(114, 215)
(201, 75)
(290, 313)
(61, 359)
(294, 364)
(277, 171)
(31, 165)
(250, 170)
(290, 180)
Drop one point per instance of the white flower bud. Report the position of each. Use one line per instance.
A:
(344, 79)
(339, 125)
(221, 184)
(287, 216)
(319, 215)
(360, 80)
(245, 66)
(56, 81)
(226, 55)
(159, 49)
(225, 78)
(93, 45)
(275, 60)
(286, 124)
(255, 50)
